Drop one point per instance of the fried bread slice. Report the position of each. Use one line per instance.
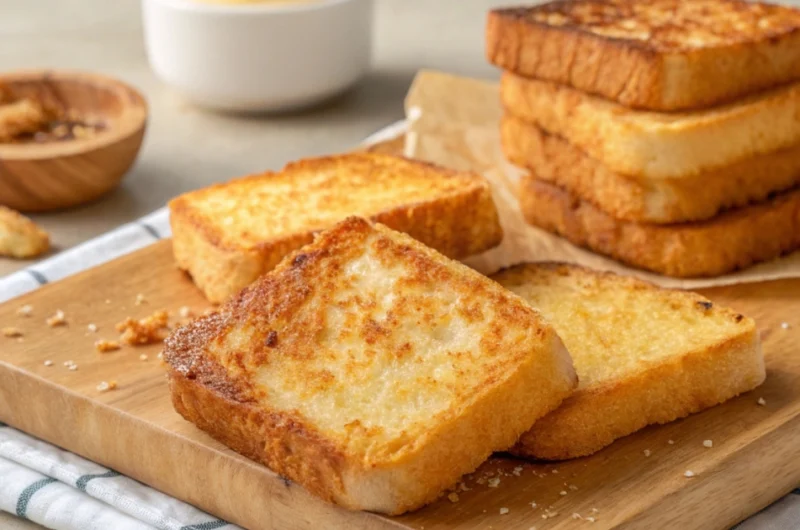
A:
(229, 234)
(644, 355)
(662, 55)
(659, 201)
(732, 240)
(653, 145)
(369, 368)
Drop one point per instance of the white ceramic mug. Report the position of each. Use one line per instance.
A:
(258, 57)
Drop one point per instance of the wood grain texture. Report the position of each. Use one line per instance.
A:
(754, 460)
(36, 177)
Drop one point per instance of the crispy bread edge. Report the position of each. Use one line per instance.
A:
(634, 74)
(700, 197)
(730, 241)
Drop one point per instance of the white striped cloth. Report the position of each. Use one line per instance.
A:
(60, 490)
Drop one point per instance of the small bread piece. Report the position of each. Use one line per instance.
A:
(644, 355)
(20, 237)
(370, 369)
(227, 235)
(653, 145)
(659, 201)
(732, 240)
(660, 55)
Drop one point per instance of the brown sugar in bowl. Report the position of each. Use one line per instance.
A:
(39, 176)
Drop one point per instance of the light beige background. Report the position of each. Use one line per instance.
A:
(186, 147)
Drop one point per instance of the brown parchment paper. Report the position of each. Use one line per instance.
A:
(453, 121)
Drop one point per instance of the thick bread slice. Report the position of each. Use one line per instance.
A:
(660, 55)
(644, 355)
(659, 201)
(653, 145)
(370, 369)
(227, 235)
(732, 240)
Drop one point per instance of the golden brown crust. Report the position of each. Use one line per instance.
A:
(274, 374)
(456, 217)
(730, 241)
(641, 200)
(703, 53)
(597, 414)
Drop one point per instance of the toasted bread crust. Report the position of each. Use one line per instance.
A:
(730, 241)
(220, 386)
(596, 415)
(648, 145)
(652, 65)
(458, 223)
(661, 201)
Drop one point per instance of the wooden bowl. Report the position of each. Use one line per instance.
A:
(36, 177)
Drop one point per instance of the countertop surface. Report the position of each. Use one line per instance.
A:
(186, 147)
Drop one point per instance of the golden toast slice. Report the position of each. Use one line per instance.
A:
(733, 240)
(644, 355)
(659, 201)
(227, 235)
(651, 145)
(369, 368)
(662, 55)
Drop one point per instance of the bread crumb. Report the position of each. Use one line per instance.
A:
(139, 299)
(532, 528)
(548, 514)
(562, 492)
(671, 442)
(160, 356)
(591, 519)
(453, 497)
(58, 319)
(494, 482)
(595, 510)
(554, 472)
(71, 365)
(25, 311)
(108, 301)
(517, 471)
(646, 452)
(463, 487)
(143, 357)
(785, 325)
(12, 332)
(185, 312)
(147, 330)
(533, 504)
(503, 511)
(761, 401)
(573, 487)
(708, 443)
(91, 328)
(688, 473)
(576, 516)
(105, 386)
(105, 346)
(48, 363)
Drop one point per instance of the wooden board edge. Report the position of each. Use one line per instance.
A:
(108, 436)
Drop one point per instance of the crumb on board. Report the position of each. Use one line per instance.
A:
(91, 328)
(573, 487)
(548, 514)
(562, 493)
(708, 443)
(140, 299)
(688, 473)
(105, 386)
(493, 482)
(143, 357)
(503, 511)
(533, 504)
(517, 471)
(25, 311)
(58, 319)
(12, 332)
(71, 366)
(785, 325)
(577, 516)
(453, 497)
(148, 330)
(671, 442)
(106, 346)
(647, 452)
(48, 363)
(185, 312)
(761, 401)
(554, 472)
(591, 519)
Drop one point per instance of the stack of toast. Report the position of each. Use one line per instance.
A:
(376, 371)
(665, 134)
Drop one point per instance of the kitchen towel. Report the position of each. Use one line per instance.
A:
(60, 490)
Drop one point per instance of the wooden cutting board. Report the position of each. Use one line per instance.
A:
(754, 460)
